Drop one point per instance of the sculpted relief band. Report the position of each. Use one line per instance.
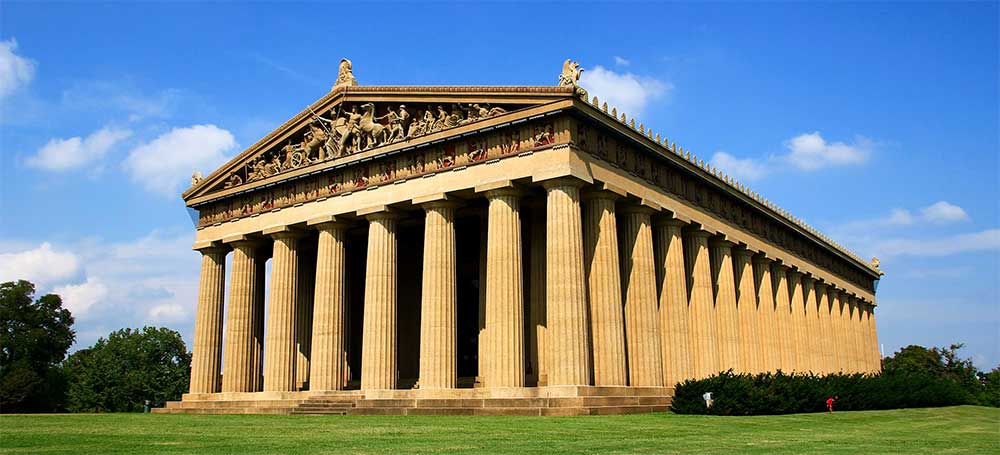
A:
(495, 250)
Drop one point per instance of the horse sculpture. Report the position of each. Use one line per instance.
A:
(374, 133)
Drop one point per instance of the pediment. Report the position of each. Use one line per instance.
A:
(353, 122)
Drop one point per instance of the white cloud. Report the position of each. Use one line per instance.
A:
(988, 240)
(15, 71)
(162, 165)
(810, 152)
(65, 154)
(944, 212)
(167, 312)
(741, 168)
(79, 298)
(628, 92)
(621, 61)
(42, 266)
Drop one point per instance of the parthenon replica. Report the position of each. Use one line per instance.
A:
(499, 250)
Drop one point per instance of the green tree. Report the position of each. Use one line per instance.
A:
(944, 363)
(121, 371)
(991, 388)
(34, 338)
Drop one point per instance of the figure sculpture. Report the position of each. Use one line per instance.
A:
(570, 77)
(195, 178)
(345, 76)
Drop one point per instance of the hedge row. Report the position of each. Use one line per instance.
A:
(780, 393)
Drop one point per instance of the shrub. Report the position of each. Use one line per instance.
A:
(780, 393)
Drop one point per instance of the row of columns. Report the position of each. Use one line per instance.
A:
(629, 298)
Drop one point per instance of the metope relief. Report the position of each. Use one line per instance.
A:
(355, 127)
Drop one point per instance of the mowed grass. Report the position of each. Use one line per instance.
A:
(962, 429)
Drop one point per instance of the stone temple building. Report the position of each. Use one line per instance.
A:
(499, 250)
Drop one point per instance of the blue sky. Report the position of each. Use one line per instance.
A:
(875, 123)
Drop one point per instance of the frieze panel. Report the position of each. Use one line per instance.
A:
(355, 127)
(468, 151)
(673, 180)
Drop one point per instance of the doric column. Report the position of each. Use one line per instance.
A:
(726, 316)
(566, 290)
(825, 333)
(674, 335)
(701, 315)
(746, 304)
(810, 338)
(504, 291)
(867, 344)
(798, 322)
(873, 336)
(767, 315)
(482, 355)
(206, 356)
(263, 253)
(605, 289)
(282, 316)
(304, 317)
(853, 321)
(329, 352)
(439, 299)
(239, 374)
(378, 350)
(539, 324)
(642, 324)
(782, 302)
(837, 326)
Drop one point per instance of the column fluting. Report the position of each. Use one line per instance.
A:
(642, 324)
(782, 302)
(206, 356)
(675, 345)
(329, 353)
(747, 317)
(238, 361)
(439, 299)
(726, 313)
(798, 321)
(282, 316)
(378, 350)
(825, 333)
(566, 290)
(504, 291)
(767, 315)
(539, 324)
(605, 289)
(701, 315)
(810, 332)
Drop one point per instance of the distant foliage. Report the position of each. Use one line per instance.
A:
(780, 393)
(128, 367)
(34, 338)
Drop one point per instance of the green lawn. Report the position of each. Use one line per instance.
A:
(963, 429)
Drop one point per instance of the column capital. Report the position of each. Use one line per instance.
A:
(379, 212)
(778, 268)
(436, 200)
(695, 230)
(630, 208)
(329, 222)
(669, 221)
(761, 259)
(600, 193)
(283, 232)
(742, 252)
(499, 188)
(561, 182)
(821, 285)
(243, 241)
(794, 273)
(210, 247)
(808, 279)
(720, 242)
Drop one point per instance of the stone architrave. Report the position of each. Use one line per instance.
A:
(674, 332)
(605, 289)
(642, 325)
(206, 359)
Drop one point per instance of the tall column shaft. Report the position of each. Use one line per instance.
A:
(566, 291)
(701, 315)
(798, 322)
(504, 292)
(238, 360)
(767, 315)
(811, 327)
(674, 335)
(329, 354)
(482, 355)
(867, 345)
(378, 350)
(726, 313)
(642, 324)
(782, 301)
(837, 323)
(873, 336)
(604, 285)
(748, 319)
(439, 299)
(539, 324)
(282, 319)
(304, 318)
(852, 335)
(263, 253)
(206, 356)
(825, 333)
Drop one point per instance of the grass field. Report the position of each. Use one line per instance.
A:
(963, 429)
